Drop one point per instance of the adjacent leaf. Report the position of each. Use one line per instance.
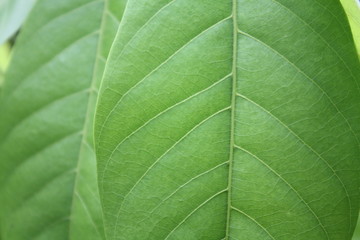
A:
(4, 61)
(12, 15)
(48, 168)
(1, 79)
(230, 120)
(357, 233)
(4, 56)
(352, 8)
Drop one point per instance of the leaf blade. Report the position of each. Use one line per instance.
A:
(163, 122)
(49, 134)
(352, 9)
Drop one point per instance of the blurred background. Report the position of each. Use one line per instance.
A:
(13, 15)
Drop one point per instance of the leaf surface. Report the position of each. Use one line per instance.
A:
(230, 120)
(48, 168)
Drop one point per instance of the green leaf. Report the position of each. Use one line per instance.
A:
(357, 232)
(12, 15)
(1, 79)
(48, 167)
(352, 8)
(4, 56)
(4, 61)
(230, 120)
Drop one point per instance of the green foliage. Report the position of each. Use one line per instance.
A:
(237, 120)
(352, 9)
(357, 233)
(48, 167)
(214, 120)
(4, 56)
(4, 60)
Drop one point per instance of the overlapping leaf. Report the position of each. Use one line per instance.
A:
(48, 185)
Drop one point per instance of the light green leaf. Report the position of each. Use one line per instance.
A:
(357, 232)
(48, 168)
(12, 15)
(4, 61)
(230, 120)
(1, 79)
(4, 56)
(352, 8)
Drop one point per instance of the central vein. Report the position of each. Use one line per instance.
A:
(234, 78)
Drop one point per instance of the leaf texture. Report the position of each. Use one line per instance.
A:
(230, 120)
(48, 168)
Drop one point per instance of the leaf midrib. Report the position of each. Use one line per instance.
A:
(87, 123)
(232, 145)
(232, 126)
